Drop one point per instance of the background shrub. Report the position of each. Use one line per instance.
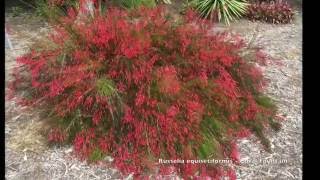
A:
(274, 12)
(52, 10)
(138, 87)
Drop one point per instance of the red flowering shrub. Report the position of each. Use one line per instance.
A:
(272, 12)
(139, 87)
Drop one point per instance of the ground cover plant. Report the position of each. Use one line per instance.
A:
(271, 12)
(141, 87)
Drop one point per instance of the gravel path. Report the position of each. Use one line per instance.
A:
(28, 157)
(283, 42)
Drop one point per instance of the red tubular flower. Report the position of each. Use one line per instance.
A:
(172, 111)
(128, 117)
(203, 79)
(252, 109)
(97, 116)
(194, 109)
(231, 174)
(131, 51)
(234, 152)
(55, 88)
(83, 144)
(168, 81)
(243, 133)
(56, 135)
(140, 98)
(104, 144)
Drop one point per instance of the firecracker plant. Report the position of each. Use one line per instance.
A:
(140, 87)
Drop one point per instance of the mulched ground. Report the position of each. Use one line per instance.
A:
(29, 157)
(283, 42)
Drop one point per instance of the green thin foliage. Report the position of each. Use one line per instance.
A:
(223, 10)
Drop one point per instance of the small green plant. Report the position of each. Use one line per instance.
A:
(51, 11)
(96, 155)
(131, 4)
(226, 10)
(105, 87)
(16, 11)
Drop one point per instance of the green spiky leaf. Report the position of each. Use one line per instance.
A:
(226, 10)
(105, 87)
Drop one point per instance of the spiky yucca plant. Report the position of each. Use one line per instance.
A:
(226, 10)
